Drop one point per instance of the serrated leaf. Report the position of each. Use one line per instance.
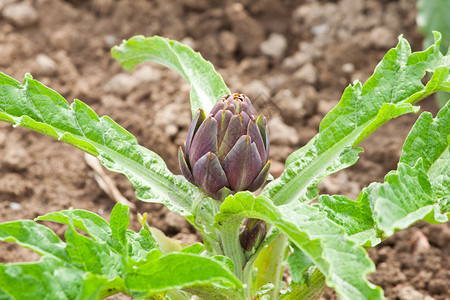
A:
(39, 108)
(179, 270)
(140, 244)
(413, 192)
(51, 278)
(92, 269)
(92, 224)
(405, 198)
(388, 93)
(343, 263)
(35, 237)
(119, 221)
(429, 140)
(207, 85)
(92, 256)
(410, 194)
(353, 216)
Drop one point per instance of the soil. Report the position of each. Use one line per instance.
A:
(293, 59)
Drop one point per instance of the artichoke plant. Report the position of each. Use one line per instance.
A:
(228, 150)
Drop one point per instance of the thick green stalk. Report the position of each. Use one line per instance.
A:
(232, 248)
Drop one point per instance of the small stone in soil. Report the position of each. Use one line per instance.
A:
(409, 293)
(20, 14)
(274, 46)
(46, 66)
(306, 74)
(285, 135)
(15, 206)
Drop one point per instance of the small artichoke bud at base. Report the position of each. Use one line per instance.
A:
(227, 151)
(252, 233)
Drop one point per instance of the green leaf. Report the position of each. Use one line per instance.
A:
(93, 256)
(179, 270)
(414, 191)
(388, 93)
(35, 106)
(140, 244)
(196, 248)
(90, 268)
(299, 263)
(35, 237)
(119, 221)
(207, 85)
(92, 224)
(353, 216)
(429, 140)
(51, 278)
(343, 263)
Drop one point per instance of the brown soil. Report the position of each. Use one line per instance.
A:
(65, 44)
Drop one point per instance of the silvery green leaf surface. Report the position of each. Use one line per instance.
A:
(92, 268)
(179, 270)
(34, 236)
(52, 278)
(418, 190)
(37, 107)
(207, 85)
(93, 256)
(343, 263)
(92, 224)
(420, 187)
(354, 216)
(390, 92)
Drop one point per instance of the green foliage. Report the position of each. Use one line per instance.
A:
(388, 93)
(207, 86)
(328, 238)
(112, 260)
(422, 181)
(418, 190)
(343, 263)
(37, 107)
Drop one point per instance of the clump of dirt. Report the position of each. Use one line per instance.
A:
(293, 59)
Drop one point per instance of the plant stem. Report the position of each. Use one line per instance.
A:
(270, 264)
(232, 248)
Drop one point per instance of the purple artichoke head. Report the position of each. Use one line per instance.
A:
(227, 151)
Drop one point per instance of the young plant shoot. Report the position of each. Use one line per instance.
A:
(248, 238)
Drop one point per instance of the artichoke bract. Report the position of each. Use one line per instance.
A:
(228, 150)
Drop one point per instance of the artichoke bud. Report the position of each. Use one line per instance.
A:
(252, 233)
(227, 151)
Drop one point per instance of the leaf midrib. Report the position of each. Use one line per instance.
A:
(296, 186)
